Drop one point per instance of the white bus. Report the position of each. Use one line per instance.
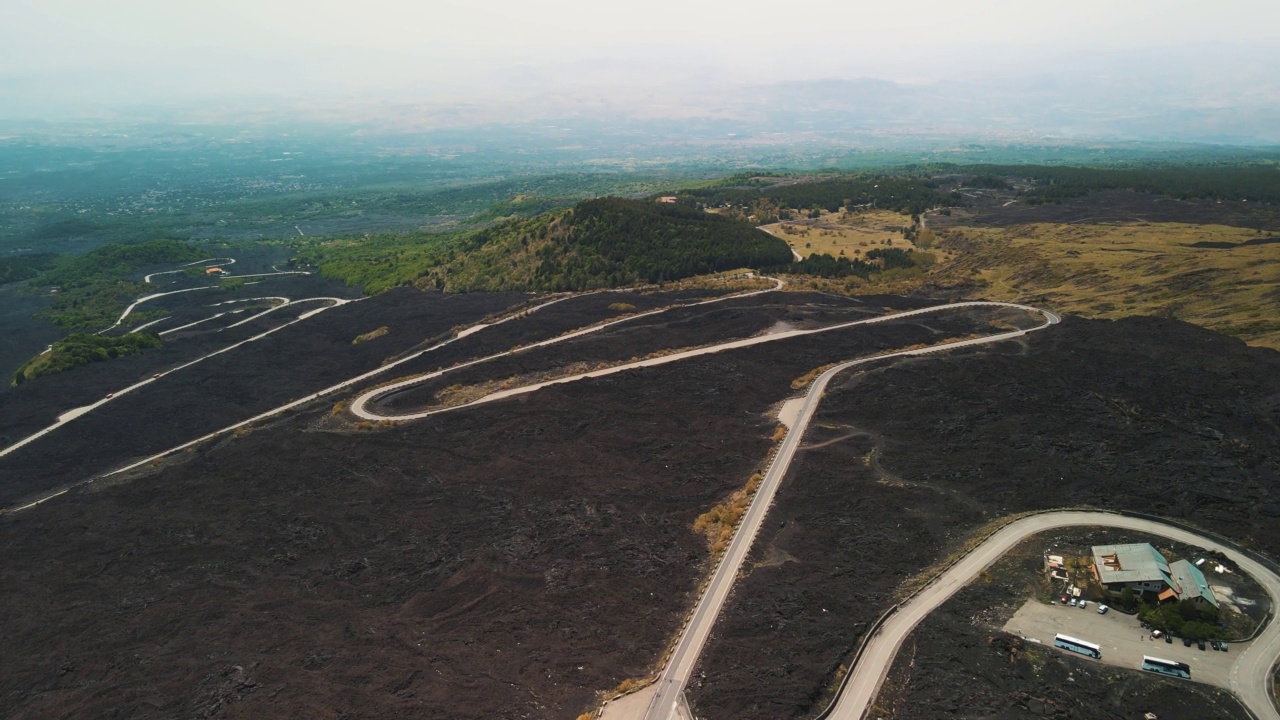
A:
(1077, 646)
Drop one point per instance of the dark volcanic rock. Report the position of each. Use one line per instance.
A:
(508, 561)
(1142, 414)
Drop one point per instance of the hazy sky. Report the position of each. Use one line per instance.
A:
(142, 49)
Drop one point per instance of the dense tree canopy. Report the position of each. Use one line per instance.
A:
(25, 267)
(614, 242)
(878, 260)
(910, 194)
(605, 242)
(82, 349)
(116, 261)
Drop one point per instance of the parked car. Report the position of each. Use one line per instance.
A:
(1186, 642)
(1200, 644)
(1168, 638)
(1214, 644)
(1064, 599)
(1072, 603)
(1102, 609)
(1222, 646)
(1084, 603)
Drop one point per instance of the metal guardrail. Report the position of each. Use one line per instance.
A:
(880, 621)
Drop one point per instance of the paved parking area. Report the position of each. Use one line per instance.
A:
(1122, 639)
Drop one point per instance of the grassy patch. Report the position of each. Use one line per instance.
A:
(805, 379)
(719, 522)
(851, 234)
(1113, 271)
(92, 305)
(371, 335)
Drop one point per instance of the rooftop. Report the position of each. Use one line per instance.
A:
(1135, 562)
(1192, 582)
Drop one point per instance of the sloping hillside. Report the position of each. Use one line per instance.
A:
(605, 242)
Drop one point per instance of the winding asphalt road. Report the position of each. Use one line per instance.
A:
(209, 261)
(74, 413)
(360, 405)
(1249, 675)
(675, 676)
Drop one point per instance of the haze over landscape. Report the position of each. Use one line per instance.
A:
(1181, 71)
(735, 361)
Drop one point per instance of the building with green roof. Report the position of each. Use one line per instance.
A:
(1142, 569)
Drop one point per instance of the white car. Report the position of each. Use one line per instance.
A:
(1073, 602)
(1102, 609)
(1084, 603)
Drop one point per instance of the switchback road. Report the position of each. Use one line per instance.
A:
(360, 406)
(206, 261)
(70, 415)
(74, 413)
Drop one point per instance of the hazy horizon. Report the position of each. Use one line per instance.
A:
(1146, 71)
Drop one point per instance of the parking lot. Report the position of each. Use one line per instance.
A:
(1122, 639)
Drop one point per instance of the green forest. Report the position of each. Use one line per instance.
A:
(82, 349)
(914, 189)
(25, 267)
(94, 287)
(605, 242)
(615, 242)
(905, 193)
(1255, 182)
(878, 261)
(115, 261)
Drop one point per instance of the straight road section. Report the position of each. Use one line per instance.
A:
(674, 678)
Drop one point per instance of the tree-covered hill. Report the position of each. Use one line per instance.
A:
(116, 261)
(96, 286)
(605, 242)
(614, 242)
